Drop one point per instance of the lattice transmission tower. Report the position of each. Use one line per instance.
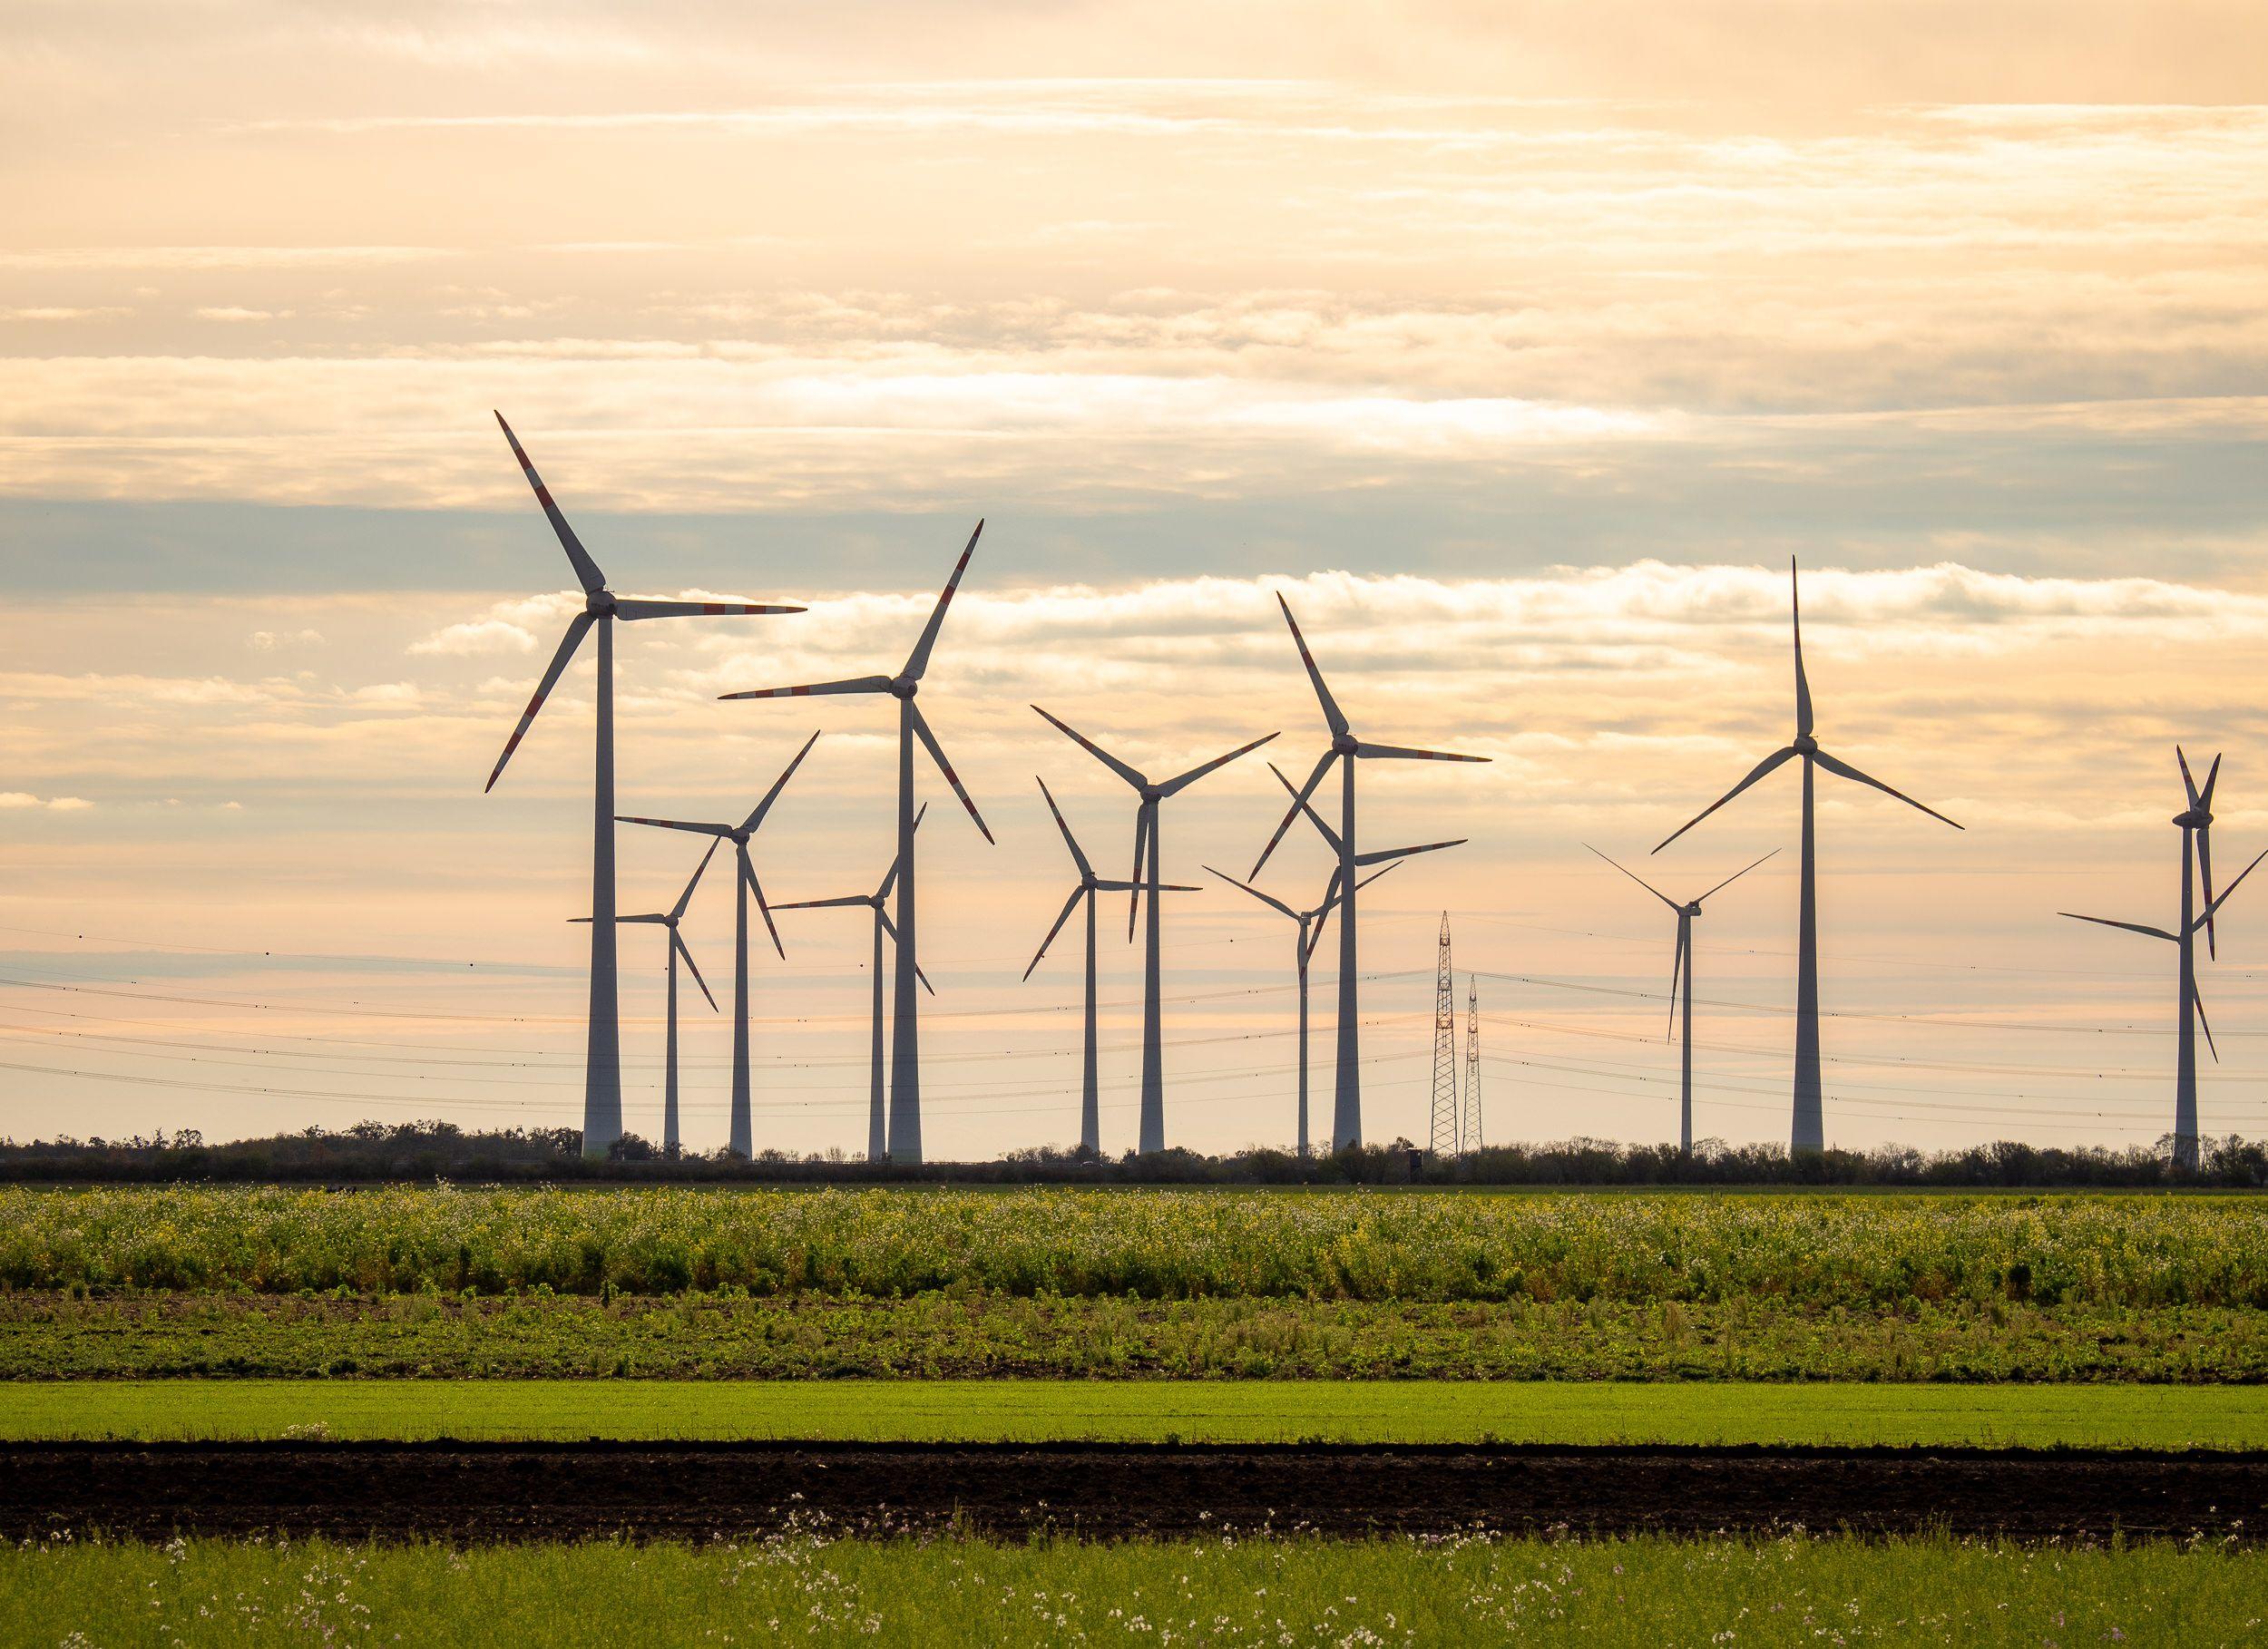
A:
(1444, 1135)
(1473, 1062)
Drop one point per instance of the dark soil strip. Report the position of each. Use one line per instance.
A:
(505, 1491)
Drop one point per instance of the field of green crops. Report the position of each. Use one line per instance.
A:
(1852, 1253)
(1470, 1590)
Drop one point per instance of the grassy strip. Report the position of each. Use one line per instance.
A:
(2108, 1417)
(1470, 1591)
(1822, 1253)
(976, 1335)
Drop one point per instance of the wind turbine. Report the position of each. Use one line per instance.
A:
(906, 1049)
(1683, 965)
(603, 1069)
(1311, 924)
(743, 1136)
(2195, 822)
(1808, 1131)
(1090, 885)
(1153, 1125)
(877, 1147)
(670, 920)
(1346, 1118)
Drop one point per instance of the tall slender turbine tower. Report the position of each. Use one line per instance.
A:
(1809, 1132)
(603, 1069)
(1087, 886)
(1311, 926)
(2195, 822)
(1681, 964)
(1153, 1127)
(743, 1135)
(906, 1034)
(877, 902)
(1343, 877)
(670, 920)
(1347, 1119)
(1441, 1141)
(1473, 1062)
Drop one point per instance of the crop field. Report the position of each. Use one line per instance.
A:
(1466, 1590)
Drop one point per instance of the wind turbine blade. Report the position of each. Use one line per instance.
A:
(1267, 899)
(1086, 871)
(2131, 927)
(655, 917)
(1331, 713)
(2213, 777)
(635, 611)
(1802, 683)
(890, 931)
(1382, 855)
(2204, 873)
(824, 904)
(676, 940)
(1641, 881)
(817, 689)
(898, 862)
(755, 816)
(2224, 897)
(705, 830)
(2189, 786)
(918, 660)
(1735, 876)
(1834, 765)
(1374, 876)
(586, 569)
(1299, 801)
(2198, 1001)
(577, 627)
(929, 743)
(1094, 749)
(755, 887)
(1069, 905)
(678, 910)
(1141, 846)
(1405, 753)
(1676, 969)
(1784, 753)
(1174, 786)
(1322, 915)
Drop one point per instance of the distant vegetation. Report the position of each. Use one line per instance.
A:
(372, 1152)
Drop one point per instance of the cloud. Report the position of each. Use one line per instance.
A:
(15, 800)
(270, 641)
(479, 636)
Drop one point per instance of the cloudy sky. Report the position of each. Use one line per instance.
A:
(1519, 346)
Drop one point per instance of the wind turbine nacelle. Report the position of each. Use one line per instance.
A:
(1803, 743)
(599, 603)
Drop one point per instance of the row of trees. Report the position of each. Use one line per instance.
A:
(370, 1151)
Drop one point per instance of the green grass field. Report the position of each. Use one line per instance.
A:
(2119, 1416)
(1649, 1592)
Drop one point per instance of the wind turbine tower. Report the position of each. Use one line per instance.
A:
(1444, 1140)
(1310, 935)
(1346, 1118)
(602, 1069)
(1088, 885)
(1681, 965)
(1808, 1132)
(669, 919)
(2195, 823)
(1153, 1123)
(878, 902)
(1473, 1062)
(742, 1136)
(906, 1034)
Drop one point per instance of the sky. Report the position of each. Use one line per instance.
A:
(1518, 347)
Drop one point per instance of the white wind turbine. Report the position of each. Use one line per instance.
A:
(1152, 1137)
(669, 919)
(743, 1133)
(905, 1045)
(1311, 926)
(1088, 885)
(602, 1072)
(877, 1139)
(1347, 1119)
